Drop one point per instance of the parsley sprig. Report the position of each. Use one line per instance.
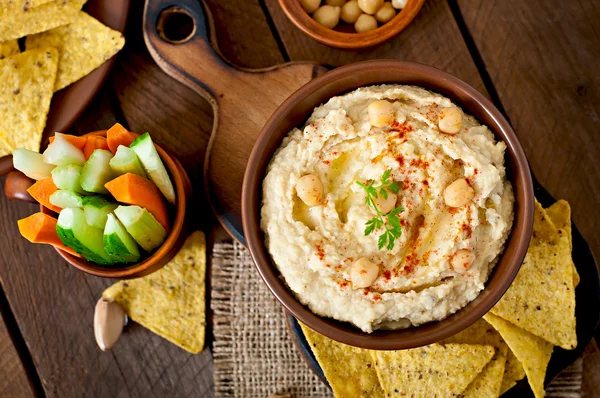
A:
(393, 229)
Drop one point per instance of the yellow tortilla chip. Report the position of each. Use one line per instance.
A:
(560, 214)
(543, 228)
(170, 302)
(83, 45)
(513, 372)
(432, 371)
(26, 82)
(8, 48)
(19, 6)
(350, 371)
(39, 19)
(531, 350)
(489, 381)
(541, 299)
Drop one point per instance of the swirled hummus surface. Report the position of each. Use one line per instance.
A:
(418, 279)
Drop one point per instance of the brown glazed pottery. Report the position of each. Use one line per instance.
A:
(294, 112)
(175, 239)
(349, 39)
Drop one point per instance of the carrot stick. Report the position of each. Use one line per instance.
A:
(94, 142)
(79, 142)
(135, 190)
(41, 228)
(118, 135)
(42, 190)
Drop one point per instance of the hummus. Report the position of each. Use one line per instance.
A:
(418, 279)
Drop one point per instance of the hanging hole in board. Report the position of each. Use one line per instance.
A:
(176, 25)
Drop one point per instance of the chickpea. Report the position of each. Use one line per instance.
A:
(335, 3)
(459, 193)
(386, 13)
(351, 11)
(381, 112)
(365, 23)
(450, 120)
(363, 273)
(370, 6)
(461, 260)
(327, 16)
(310, 6)
(386, 205)
(399, 4)
(310, 189)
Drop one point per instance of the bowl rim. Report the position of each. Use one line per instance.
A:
(168, 248)
(517, 242)
(350, 41)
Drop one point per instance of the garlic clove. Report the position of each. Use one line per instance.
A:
(109, 321)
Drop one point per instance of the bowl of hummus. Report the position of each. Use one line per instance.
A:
(387, 205)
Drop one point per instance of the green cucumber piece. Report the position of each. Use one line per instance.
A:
(96, 172)
(61, 152)
(31, 164)
(63, 199)
(67, 177)
(119, 245)
(96, 210)
(126, 161)
(142, 226)
(75, 233)
(153, 165)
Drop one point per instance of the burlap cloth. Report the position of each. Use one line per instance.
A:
(253, 353)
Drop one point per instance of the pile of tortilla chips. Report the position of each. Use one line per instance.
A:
(62, 44)
(515, 339)
(171, 302)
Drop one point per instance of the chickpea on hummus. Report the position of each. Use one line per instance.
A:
(388, 209)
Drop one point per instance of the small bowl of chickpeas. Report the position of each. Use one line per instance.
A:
(351, 24)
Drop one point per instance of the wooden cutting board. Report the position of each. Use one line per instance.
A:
(180, 36)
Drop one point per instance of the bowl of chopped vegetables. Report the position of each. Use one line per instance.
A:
(112, 202)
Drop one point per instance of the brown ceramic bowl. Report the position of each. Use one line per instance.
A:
(343, 35)
(294, 112)
(170, 246)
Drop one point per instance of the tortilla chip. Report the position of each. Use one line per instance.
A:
(26, 82)
(541, 299)
(39, 19)
(513, 372)
(8, 48)
(560, 214)
(543, 228)
(349, 370)
(170, 302)
(432, 371)
(489, 381)
(10, 7)
(83, 45)
(531, 350)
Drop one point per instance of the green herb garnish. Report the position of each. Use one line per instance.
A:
(393, 229)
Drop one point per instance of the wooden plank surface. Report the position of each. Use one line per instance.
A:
(433, 38)
(541, 58)
(13, 378)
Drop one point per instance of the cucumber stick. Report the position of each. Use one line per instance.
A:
(126, 161)
(142, 226)
(75, 233)
(96, 210)
(31, 164)
(63, 199)
(61, 152)
(153, 165)
(119, 245)
(96, 172)
(67, 177)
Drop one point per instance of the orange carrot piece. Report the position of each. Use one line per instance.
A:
(94, 142)
(135, 190)
(118, 135)
(79, 142)
(41, 228)
(42, 190)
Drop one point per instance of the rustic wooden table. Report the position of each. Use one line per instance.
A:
(534, 58)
